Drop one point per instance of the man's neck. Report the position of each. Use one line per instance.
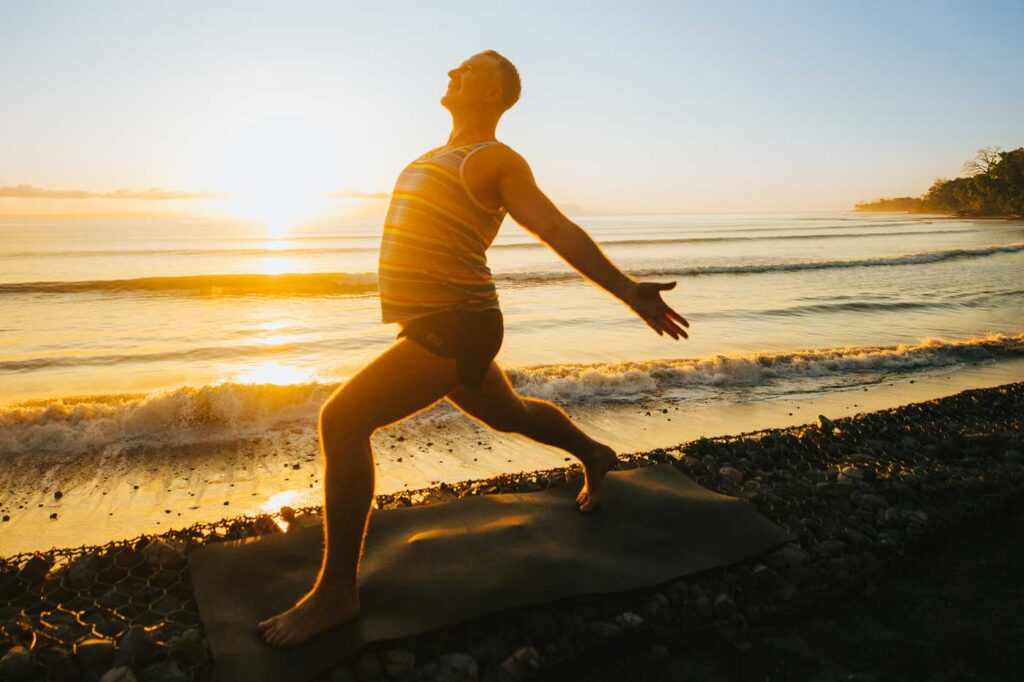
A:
(470, 130)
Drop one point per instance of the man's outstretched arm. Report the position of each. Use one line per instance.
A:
(536, 213)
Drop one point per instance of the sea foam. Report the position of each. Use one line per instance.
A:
(233, 411)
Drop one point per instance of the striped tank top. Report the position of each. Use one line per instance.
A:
(435, 235)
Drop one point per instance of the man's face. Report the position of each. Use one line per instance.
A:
(473, 84)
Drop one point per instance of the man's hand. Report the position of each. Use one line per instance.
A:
(645, 300)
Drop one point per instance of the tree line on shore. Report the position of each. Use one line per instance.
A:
(993, 185)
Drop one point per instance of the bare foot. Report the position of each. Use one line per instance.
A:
(600, 461)
(314, 613)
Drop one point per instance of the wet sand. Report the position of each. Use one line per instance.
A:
(118, 495)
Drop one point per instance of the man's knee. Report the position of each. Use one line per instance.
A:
(516, 419)
(340, 415)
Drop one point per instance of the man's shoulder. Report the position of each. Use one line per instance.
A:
(502, 157)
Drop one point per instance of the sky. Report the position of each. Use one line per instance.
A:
(638, 107)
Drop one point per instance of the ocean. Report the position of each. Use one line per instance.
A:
(150, 335)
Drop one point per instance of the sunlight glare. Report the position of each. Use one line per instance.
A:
(273, 373)
(279, 172)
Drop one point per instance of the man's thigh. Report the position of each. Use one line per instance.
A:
(400, 382)
(495, 403)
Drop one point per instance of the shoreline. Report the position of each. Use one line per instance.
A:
(127, 494)
(863, 494)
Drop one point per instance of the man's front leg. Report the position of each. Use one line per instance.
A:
(348, 494)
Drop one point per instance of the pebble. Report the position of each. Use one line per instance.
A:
(523, 663)
(463, 667)
(724, 606)
(165, 671)
(629, 620)
(399, 662)
(94, 654)
(161, 552)
(119, 674)
(35, 568)
(702, 605)
(659, 651)
(134, 648)
(369, 668)
(17, 664)
(604, 630)
(731, 475)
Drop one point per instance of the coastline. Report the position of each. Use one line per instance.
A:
(125, 494)
(863, 494)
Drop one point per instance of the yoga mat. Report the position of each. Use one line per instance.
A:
(434, 565)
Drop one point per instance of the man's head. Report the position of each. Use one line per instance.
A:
(486, 82)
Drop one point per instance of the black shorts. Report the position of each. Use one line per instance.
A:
(471, 338)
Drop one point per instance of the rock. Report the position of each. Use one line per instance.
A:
(83, 571)
(850, 474)
(872, 501)
(35, 568)
(187, 648)
(764, 577)
(677, 592)
(17, 664)
(829, 548)
(702, 605)
(604, 630)
(730, 475)
(162, 553)
(627, 620)
(787, 593)
(658, 609)
(520, 665)
(463, 667)
(791, 555)
(134, 647)
(369, 668)
(724, 606)
(119, 674)
(916, 516)
(659, 651)
(165, 671)
(59, 664)
(95, 654)
(399, 662)
(825, 424)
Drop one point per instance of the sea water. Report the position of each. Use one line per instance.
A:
(166, 331)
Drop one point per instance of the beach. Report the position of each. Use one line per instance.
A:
(158, 373)
(863, 494)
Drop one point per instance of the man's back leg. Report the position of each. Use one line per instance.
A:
(496, 404)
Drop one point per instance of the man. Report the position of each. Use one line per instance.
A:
(434, 282)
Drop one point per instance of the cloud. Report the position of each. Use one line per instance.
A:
(151, 194)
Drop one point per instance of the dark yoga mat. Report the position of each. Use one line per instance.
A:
(438, 564)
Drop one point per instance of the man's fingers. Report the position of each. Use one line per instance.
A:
(677, 316)
(666, 285)
(653, 326)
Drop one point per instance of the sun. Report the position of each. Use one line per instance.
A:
(278, 173)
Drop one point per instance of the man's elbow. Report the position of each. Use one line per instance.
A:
(548, 231)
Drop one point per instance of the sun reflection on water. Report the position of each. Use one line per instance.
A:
(271, 372)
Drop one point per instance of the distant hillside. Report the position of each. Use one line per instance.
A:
(993, 186)
(908, 204)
